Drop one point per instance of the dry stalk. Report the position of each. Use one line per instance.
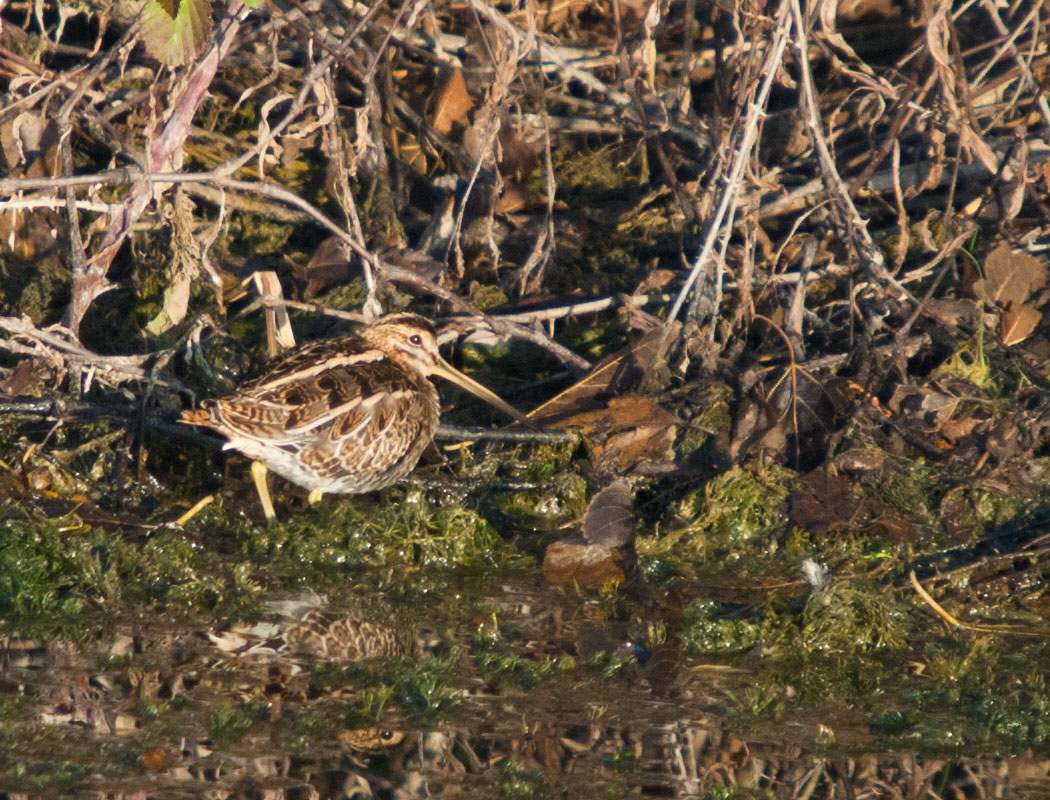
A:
(855, 228)
(89, 278)
(742, 153)
(63, 352)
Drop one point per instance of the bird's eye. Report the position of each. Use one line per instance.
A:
(416, 339)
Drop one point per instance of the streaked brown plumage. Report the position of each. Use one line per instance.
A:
(319, 633)
(345, 416)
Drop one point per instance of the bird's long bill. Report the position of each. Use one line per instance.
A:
(445, 370)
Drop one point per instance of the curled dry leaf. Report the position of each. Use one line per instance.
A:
(608, 520)
(620, 428)
(329, 266)
(617, 375)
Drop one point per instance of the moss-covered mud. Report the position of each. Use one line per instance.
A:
(717, 670)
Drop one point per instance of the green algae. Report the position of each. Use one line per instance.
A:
(560, 499)
(708, 627)
(56, 575)
(421, 689)
(853, 616)
(736, 516)
(597, 171)
(520, 783)
(322, 544)
(229, 724)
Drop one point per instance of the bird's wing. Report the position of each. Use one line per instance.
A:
(338, 385)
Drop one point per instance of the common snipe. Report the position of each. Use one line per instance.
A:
(343, 416)
(307, 626)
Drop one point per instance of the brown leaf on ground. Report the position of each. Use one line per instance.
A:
(954, 430)
(617, 375)
(756, 427)
(861, 461)
(29, 148)
(418, 262)
(453, 104)
(28, 378)
(655, 279)
(328, 267)
(627, 430)
(1017, 323)
(1011, 276)
(930, 406)
(518, 158)
(822, 501)
(953, 311)
(608, 520)
(516, 198)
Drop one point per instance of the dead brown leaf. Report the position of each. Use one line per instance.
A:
(28, 378)
(1011, 276)
(930, 406)
(1017, 323)
(620, 373)
(518, 158)
(953, 311)
(627, 430)
(608, 520)
(822, 501)
(756, 427)
(453, 104)
(655, 279)
(954, 430)
(329, 266)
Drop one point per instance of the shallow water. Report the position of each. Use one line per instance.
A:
(405, 649)
(153, 708)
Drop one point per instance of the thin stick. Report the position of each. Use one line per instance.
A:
(931, 602)
(734, 175)
(198, 507)
(456, 433)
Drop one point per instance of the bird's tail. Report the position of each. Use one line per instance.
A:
(195, 416)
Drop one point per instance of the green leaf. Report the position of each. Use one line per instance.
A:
(176, 31)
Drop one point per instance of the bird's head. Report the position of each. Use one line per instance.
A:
(411, 340)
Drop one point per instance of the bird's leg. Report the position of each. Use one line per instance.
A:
(259, 476)
(315, 496)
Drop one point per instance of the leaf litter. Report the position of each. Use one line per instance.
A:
(773, 321)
